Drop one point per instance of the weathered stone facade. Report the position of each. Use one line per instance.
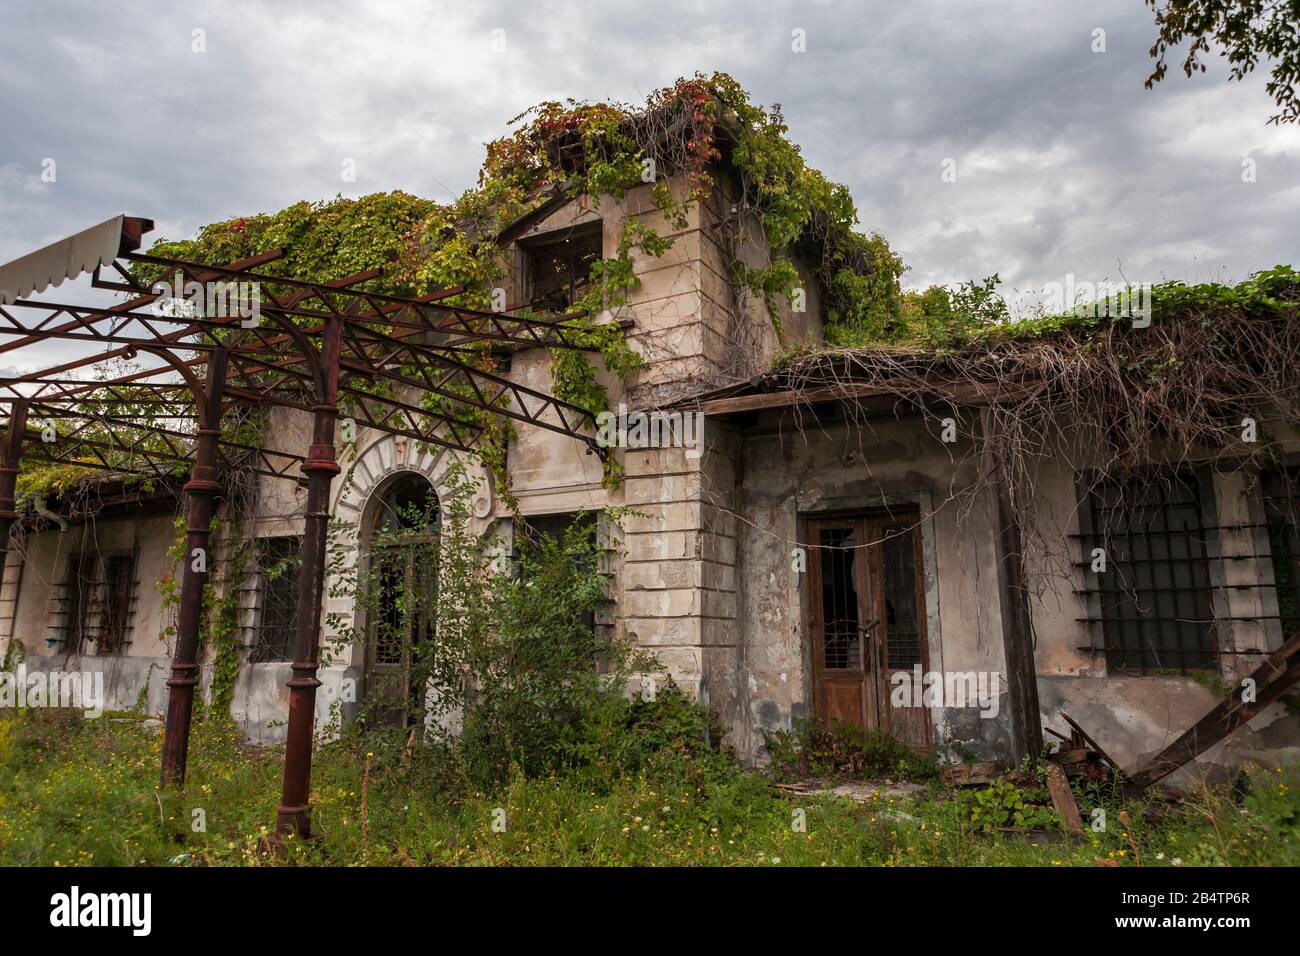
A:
(705, 573)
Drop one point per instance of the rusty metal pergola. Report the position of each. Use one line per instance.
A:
(313, 346)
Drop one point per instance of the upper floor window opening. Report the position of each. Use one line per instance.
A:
(558, 266)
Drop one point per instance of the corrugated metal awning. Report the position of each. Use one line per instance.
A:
(71, 257)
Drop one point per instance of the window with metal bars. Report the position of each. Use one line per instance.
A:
(279, 562)
(119, 598)
(902, 611)
(78, 598)
(1149, 587)
(842, 643)
(98, 602)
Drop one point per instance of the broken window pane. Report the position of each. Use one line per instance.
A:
(119, 597)
(559, 269)
(842, 643)
(902, 627)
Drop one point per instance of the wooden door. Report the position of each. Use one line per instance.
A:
(866, 621)
(838, 622)
(405, 581)
(899, 589)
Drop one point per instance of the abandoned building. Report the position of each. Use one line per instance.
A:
(813, 531)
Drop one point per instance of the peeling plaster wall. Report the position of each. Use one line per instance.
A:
(261, 699)
(675, 586)
(128, 680)
(1131, 716)
(45, 556)
(789, 475)
(1135, 717)
(138, 674)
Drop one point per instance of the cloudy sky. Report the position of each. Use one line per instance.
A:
(1064, 163)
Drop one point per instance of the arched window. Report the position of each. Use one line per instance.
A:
(408, 504)
(402, 591)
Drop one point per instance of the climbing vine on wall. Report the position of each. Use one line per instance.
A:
(703, 128)
(219, 635)
(706, 128)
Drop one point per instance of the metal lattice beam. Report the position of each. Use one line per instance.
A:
(327, 348)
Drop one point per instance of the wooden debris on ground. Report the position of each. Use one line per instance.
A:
(1278, 674)
(1063, 799)
(973, 774)
(1080, 756)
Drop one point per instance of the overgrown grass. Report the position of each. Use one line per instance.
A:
(78, 792)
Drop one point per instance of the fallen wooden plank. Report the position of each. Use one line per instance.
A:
(1278, 674)
(1063, 799)
(795, 787)
(972, 774)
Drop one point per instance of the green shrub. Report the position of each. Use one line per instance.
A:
(1003, 804)
(669, 738)
(811, 749)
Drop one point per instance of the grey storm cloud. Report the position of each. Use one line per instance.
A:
(1064, 163)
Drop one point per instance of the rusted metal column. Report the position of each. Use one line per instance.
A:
(12, 453)
(202, 488)
(293, 814)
